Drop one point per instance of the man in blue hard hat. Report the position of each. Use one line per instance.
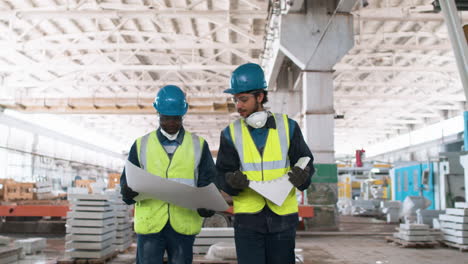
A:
(175, 154)
(261, 146)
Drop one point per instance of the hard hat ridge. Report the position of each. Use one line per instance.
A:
(247, 77)
(171, 101)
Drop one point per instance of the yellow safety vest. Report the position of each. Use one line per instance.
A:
(273, 164)
(151, 215)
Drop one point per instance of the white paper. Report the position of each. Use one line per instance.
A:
(275, 190)
(278, 189)
(155, 187)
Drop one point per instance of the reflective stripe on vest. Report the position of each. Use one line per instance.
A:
(151, 215)
(269, 165)
(196, 151)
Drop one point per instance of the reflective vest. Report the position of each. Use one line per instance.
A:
(272, 164)
(151, 215)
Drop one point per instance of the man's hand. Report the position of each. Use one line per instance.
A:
(205, 212)
(127, 192)
(237, 180)
(298, 176)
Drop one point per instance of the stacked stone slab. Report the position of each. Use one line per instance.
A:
(392, 210)
(414, 233)
(427, 216)
(213, 235)
(365, 207)
(8, 253)
(31, 245)
(77, 190)
(43, 190)
(91, 226)
(454, 224)
(124, 235)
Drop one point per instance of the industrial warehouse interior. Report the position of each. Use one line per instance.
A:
(375, 89)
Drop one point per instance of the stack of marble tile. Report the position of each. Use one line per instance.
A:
(43, 190)
(213, 235)
(31, 245)
(91, 226)
(454, 224)
(9, 253)
(124, 235)
(392, 210)
(414, 233)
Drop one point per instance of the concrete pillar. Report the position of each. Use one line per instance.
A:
(319, 135)
(317, 102)
(315, 39)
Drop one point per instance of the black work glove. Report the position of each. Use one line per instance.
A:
(127, 192)
(298, 176)
(237, 180)
(205, 212)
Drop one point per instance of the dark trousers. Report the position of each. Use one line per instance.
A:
(265, 248)
(151, 247)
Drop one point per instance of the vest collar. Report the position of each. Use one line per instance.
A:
(163, 138)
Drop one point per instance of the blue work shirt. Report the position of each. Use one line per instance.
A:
(265, 221)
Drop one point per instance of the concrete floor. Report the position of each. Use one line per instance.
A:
(366, 250)
(360, 241)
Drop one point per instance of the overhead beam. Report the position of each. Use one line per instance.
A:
(414, 47)
(392, 84)
(370, 96)
(132, 14)
(121, 106)
(110, 110)
(382, 14)
(33, 67)
(91, 83)
(6, 46)
(409, 68)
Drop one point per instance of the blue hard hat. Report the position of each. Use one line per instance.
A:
(171, 101)
(247, 77)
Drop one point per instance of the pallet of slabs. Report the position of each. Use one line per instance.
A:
(413, 236)
(200, 260)
(101, 260)
(461, 248)
(43, 191)
(454, 225)
(32, 245)
(13, 191)
(408, 244)
(124, 232)
(9, 254)
(90, 227)
(211, 235)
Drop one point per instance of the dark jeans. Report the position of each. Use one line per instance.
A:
(265, 248)
(151, 247)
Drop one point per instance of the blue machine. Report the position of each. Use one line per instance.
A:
(409, 182)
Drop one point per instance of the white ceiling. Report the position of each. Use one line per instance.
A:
(101, 62)
(401, 74)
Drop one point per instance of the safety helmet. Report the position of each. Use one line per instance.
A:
(171, 101)
(247, 77)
